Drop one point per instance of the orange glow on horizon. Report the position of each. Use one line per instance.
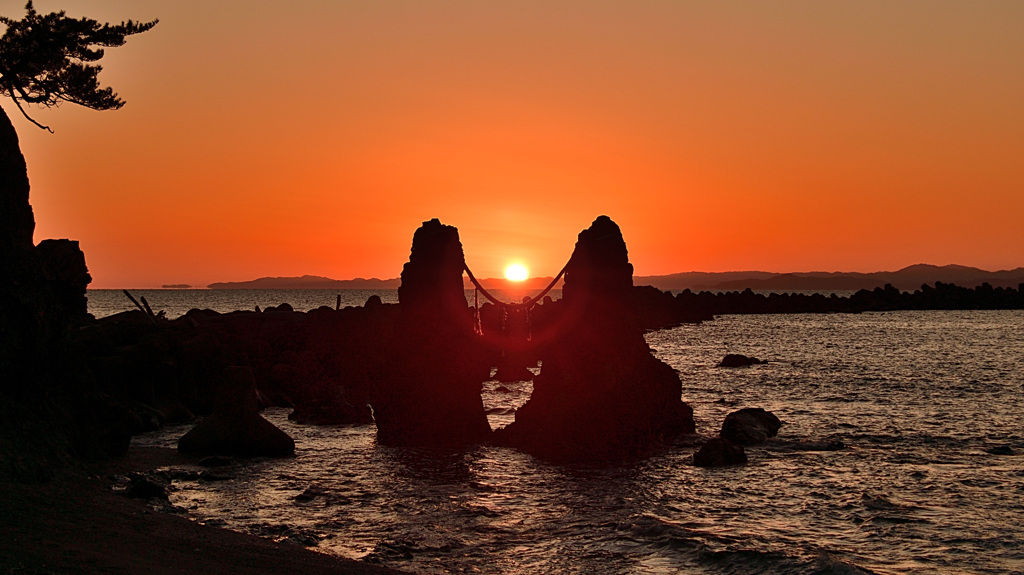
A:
(719, 137)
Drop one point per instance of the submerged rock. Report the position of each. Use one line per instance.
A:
(750, 426)
(826, 445)
(719, 452)
(235, 427)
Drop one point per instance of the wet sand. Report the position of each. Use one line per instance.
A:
(76, 524)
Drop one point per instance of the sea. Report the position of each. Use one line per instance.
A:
(902, 451)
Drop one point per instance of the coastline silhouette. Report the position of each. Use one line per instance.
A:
(607, 434)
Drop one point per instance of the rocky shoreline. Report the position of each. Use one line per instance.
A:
(76, 523)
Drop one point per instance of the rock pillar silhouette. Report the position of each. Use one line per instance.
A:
(431, 395)
(601, 393)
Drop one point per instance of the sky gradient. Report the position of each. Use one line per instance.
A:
(274, 138)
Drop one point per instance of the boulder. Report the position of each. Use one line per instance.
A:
(719, 452)
(750, 426)
(235, 427)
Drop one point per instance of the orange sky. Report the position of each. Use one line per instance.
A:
(276, 138)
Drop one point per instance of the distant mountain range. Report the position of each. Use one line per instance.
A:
(309, 282)
(908, 279)
(320, 282)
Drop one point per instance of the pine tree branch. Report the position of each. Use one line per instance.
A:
(11, 90)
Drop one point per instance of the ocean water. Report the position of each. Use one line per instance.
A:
(931, 479)
(176, 302)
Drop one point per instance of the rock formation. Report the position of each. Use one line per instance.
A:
(42, 288)
(236, 427)
(431, 392)
(601, 393)
(719, 452)
(17, 262)
(42, 296)
(737, 360)
(750, 426)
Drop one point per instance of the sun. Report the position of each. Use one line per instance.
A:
(517, 272)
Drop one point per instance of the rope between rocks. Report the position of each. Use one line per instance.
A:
(526, 304)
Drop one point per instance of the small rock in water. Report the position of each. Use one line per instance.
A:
(299, 538)
(737, 360)
(214, 476)
(215, 461)
(1000, 450)
(830, 445)
(750, 426)
(719, 452)
(146, 486)
(176, 474)
(311, 493)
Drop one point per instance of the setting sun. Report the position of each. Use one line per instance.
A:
(516, 272)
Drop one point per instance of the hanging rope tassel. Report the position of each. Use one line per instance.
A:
(504, 326)
(478, 326)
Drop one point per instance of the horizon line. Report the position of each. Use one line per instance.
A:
(185, 285)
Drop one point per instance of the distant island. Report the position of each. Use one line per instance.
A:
(176, 286)
(908, 278)
(309, 282)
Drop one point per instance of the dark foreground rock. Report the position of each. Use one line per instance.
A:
(750, 426)
(48, 410)
(236, 427)
(601, 393)
(719, 452)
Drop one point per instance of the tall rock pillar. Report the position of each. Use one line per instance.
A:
(431, 395)
(601, 393)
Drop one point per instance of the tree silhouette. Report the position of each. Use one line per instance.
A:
(49, 59)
